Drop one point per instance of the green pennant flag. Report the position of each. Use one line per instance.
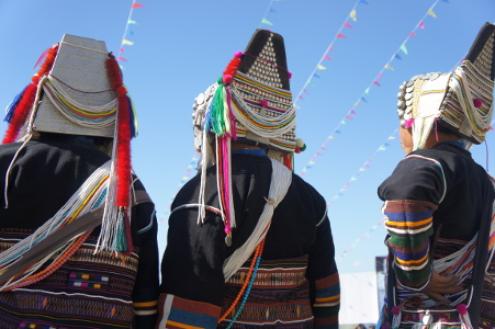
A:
(266, 22)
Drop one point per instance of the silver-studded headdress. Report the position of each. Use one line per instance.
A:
(461, 100)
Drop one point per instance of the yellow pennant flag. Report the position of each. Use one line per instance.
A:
(432, 13)
(353, 15)
(127, 42)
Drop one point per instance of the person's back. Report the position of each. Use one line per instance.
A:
(439, 201)
(249, 242)
(60, 267)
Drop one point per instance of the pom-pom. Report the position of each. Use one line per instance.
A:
(238, 54)
(409, 123)
(264, 103)
(227, 79)
(462, 309)
(396, 310)
(121, 91)
(289, 74)
(478, 103)
(231, 69)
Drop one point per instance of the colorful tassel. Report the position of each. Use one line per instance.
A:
(397, 317)
(12, 106)
(25, 104)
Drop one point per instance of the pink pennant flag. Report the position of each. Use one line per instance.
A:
(376, 83)
(379, 76)
(412, 34)
(340, 36)
(121, 59)
(422, 25)
(122, 49)
(327, 58)
(137, 5)
(347, 25)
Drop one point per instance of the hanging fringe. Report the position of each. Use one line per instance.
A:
(115, 230)
(26, 102)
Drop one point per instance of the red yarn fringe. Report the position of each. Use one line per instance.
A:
(231, 69)
(123, 164)
(26, 103)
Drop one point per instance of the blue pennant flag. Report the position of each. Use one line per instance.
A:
(397, 56)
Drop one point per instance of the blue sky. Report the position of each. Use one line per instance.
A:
(182, 46)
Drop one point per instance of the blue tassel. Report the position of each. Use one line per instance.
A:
(12, 106)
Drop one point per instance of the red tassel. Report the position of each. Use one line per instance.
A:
(123, 160)
(26, 103)
(231, 69)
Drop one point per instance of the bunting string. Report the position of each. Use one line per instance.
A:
(362, 237)
(365, 166)
(128, 34)
(389, 66)
(266, 21)
(321, 65)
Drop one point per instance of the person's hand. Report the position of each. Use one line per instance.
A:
(441, 285)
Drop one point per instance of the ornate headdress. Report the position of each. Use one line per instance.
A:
(461, 101)
(251, 103)
(79, 91)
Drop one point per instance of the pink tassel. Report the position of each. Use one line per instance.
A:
(464, 316)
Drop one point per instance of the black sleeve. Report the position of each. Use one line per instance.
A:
(145, 293)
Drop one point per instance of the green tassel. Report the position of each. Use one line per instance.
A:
(120, 243)
(217, 111)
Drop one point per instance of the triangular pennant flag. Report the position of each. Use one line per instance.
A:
(403, 48)
(317, 76)
(432, 13)
(127, 42)
(389, 67)
(391, 138)
(131, 22)
(137, 5)
(364, 100)
(347, 25)
(331, 138)
(377, 83)
(321, 67)
(367, 91)
(353, 178)
(412, 34)
(122, 49)
(340, 36)
(266, 22)
(272, 10)
(121, 59)
(353, 15)
(382, 148)
(363, 2)
(422, 25)
(327, 58)
(343, 122)
(131, 32)
(397, 56)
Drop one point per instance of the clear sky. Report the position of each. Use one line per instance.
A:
(182, 46)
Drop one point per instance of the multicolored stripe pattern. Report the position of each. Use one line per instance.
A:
(181, 313)
(410, 226)
(279, 296)
(327, 301)
(88, 291)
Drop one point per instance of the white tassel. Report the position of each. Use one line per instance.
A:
(202, 186)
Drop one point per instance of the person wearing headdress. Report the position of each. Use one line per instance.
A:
(439, 202)
(78, 245)
(249, 242)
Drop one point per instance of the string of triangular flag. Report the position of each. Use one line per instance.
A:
(266, 20)
(365, 166)
(352, 112)
(322, 64)
(128, 35)
(362, 237)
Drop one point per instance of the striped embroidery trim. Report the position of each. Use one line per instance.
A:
(187, 314)
(145, 308)
(327, 292)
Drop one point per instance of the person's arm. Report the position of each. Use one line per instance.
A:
(145, 293)
(412, 195)
(191, 294)
(324, 278)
